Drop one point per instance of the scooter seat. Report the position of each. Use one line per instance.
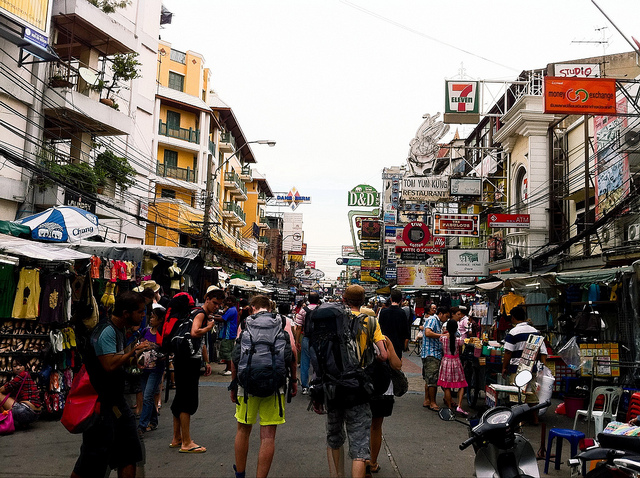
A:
(620, 442)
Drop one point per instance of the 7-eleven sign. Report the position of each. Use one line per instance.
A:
(461, 97)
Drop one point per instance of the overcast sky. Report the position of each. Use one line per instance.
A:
(342, 85)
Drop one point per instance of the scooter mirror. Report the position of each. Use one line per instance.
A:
(523, 378)
(446, 414)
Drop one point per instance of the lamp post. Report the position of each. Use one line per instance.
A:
(516, 261)
(208, 200)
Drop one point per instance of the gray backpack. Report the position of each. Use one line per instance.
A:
(265, 351)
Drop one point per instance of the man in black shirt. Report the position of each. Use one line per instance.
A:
(393, 323)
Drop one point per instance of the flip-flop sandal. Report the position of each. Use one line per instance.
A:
(376, 469)
(195, 449)
(178, 445)
(434, 408)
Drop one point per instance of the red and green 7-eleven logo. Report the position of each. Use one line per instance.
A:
(462, 96)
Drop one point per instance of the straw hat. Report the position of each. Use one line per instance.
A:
(150, 284)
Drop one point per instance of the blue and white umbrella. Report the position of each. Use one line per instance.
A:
(61, 224)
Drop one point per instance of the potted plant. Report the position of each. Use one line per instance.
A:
(124, 67)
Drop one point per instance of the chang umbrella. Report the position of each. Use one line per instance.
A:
(61, 224)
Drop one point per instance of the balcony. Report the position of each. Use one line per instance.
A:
(227, 143)
(235, 186)
(190, 135)
(184, 174)
(262, 198)
(212, 147)
(262, 220)
(263, 241)
(234, 213)
(245, 174)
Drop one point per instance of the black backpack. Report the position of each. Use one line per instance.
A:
(306, 331)
(339, 377)
(179, 339)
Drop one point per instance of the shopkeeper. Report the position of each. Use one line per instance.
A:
(22, 396)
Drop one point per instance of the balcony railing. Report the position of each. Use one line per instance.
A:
(212, 147)
(231, 176)
(262, 197)
(191, 135)
(246, 171)
(228, 138)
(234, 208)
(184, 174)
(264, 239)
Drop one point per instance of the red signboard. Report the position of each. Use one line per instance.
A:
(416, 234)
(433, 246)
(456, 224)
(580, 95)
(509, 220)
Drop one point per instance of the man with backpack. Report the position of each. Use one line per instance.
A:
(261, 361)
(302, 339)
(186, 345)
(342, 343)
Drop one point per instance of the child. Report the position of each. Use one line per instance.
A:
(451, 371)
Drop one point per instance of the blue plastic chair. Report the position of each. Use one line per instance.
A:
(573, 436)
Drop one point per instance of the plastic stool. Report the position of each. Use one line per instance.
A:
(574, 438)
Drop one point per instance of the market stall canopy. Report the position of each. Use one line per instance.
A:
(255, 285)
(38, 250)
(61, 224)
(135, 252)
(12, 229)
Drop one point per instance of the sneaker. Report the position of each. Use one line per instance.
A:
(305, 391)
(226, 373)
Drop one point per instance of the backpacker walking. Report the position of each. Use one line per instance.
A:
(261, 360)
(342, 344)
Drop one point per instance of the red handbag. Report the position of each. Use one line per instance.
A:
(82, 408)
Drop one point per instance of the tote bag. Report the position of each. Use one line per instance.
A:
(7, 426)
(82, 408)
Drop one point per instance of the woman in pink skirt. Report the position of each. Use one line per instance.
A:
(451, 372)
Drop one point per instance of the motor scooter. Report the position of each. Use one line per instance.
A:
(500, 451)
(619, 456)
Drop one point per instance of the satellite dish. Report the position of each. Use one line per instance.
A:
(90, 77)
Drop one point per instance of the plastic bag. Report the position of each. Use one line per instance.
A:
(544, 385)
(570, 354)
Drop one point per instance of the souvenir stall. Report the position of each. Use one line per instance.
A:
(36, 314)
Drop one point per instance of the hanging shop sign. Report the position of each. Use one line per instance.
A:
(425, 188)
(32, 14)
(309, 273)
(365, 276)
(456, 224)
(577, 70)
(509, 220)
(311, 264)
(348, 250)
(580, 95)
(419, 276)
(461, 102)
(370, 265)
(372, 255)
(378, 277)
(433, 246)
(389, 234)
(348, 261)
(369, 246)
(291, 199)
(363, 196)
(416, 234)
(468, 262)
(370, 230)
(390, 272)
(465, 186)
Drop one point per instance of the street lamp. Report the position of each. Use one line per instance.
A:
(211, 177)
(516, 261)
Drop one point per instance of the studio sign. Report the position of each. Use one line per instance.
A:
(364, 196)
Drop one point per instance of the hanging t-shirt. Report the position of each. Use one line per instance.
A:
(121, 270)
(106, 272)
(510, 301)
(95, 267)
(25, 305)
(7, 289)
(52, 302)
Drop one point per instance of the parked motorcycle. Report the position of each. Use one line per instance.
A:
(619, 456)
(500, 450)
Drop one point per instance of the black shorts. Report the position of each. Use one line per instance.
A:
(187, 376)
(382, 406)
(111, 443)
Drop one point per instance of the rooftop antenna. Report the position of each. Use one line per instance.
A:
(635, 47)
(604, 42)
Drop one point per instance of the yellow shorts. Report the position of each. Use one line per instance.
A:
(267, 407)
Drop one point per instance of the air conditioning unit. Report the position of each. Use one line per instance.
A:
(632, 138)
(634, 232)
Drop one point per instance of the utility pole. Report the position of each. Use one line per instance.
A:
(208, 203)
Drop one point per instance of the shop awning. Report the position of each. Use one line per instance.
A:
(591, 276)
(38, 250)
(13, 229)
(136, 252)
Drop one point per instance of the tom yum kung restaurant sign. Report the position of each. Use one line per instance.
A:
(580, 95)
(425, 188)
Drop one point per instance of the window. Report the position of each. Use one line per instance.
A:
(168, 193)
(176, 81)
(170, 159)
(178, 56)
(522, 191)
(173, 120)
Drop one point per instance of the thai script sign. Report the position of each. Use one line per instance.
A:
(579, 95)
(419, 276)
(425, 188)
(509, 220)
(363, 196)
(465, 186)
(468, 262)
(456, 224)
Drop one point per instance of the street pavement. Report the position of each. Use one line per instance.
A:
(416, 442)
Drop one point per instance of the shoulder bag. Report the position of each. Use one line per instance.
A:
(7, 426)
(82, 408)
